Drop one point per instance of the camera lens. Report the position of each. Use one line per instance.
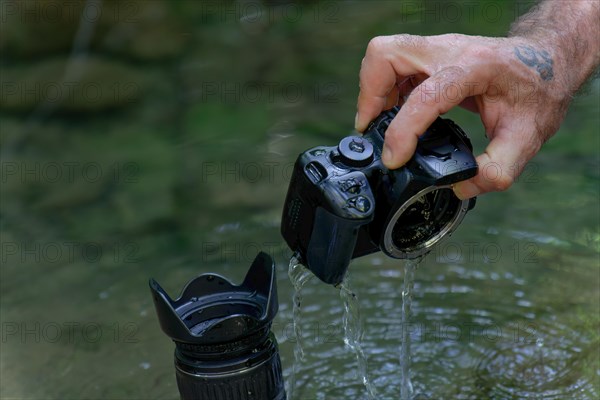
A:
(422, 221)
(224, 347)
(247, 370)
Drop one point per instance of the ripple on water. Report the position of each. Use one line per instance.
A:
(547, 363)
(477, 332)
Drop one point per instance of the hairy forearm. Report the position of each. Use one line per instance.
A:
(568, 34)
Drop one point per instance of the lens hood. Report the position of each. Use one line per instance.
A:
(224, 347)
(212, 310)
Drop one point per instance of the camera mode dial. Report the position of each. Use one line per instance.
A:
(355, 151)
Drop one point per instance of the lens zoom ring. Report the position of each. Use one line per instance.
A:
(263, 382)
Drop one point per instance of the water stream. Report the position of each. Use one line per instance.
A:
(299, 275)
(406, 387)
(353, 327)
(353, 333)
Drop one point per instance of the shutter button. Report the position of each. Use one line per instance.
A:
(356, 151)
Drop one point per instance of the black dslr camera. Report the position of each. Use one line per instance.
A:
(343, 203)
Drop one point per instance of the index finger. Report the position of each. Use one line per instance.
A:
(434, 96)
(388, 60)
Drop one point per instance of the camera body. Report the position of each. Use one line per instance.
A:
(343, 203)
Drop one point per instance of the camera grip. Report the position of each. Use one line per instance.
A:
(331, 245)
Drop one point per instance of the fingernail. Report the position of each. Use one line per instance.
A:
(465, 190)
(356, 121)
(386, 155)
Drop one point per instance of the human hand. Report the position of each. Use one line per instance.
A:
(510, 82)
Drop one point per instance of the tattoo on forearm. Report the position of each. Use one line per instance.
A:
(540, 60)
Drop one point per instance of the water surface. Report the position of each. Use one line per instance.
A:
(181, 168)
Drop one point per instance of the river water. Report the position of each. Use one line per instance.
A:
(172, 158)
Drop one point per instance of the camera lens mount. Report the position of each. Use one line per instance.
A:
(422, 221)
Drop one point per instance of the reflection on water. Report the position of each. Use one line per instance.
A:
(170, 157)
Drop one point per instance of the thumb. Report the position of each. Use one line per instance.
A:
(502, 162)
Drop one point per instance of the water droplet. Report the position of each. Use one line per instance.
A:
(234, 226)
(492, 231)
(144, 365)
(376, 261)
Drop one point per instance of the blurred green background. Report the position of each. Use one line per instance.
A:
(155, 138)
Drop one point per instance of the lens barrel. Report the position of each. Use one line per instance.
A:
(224, 347)
(253, 375)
